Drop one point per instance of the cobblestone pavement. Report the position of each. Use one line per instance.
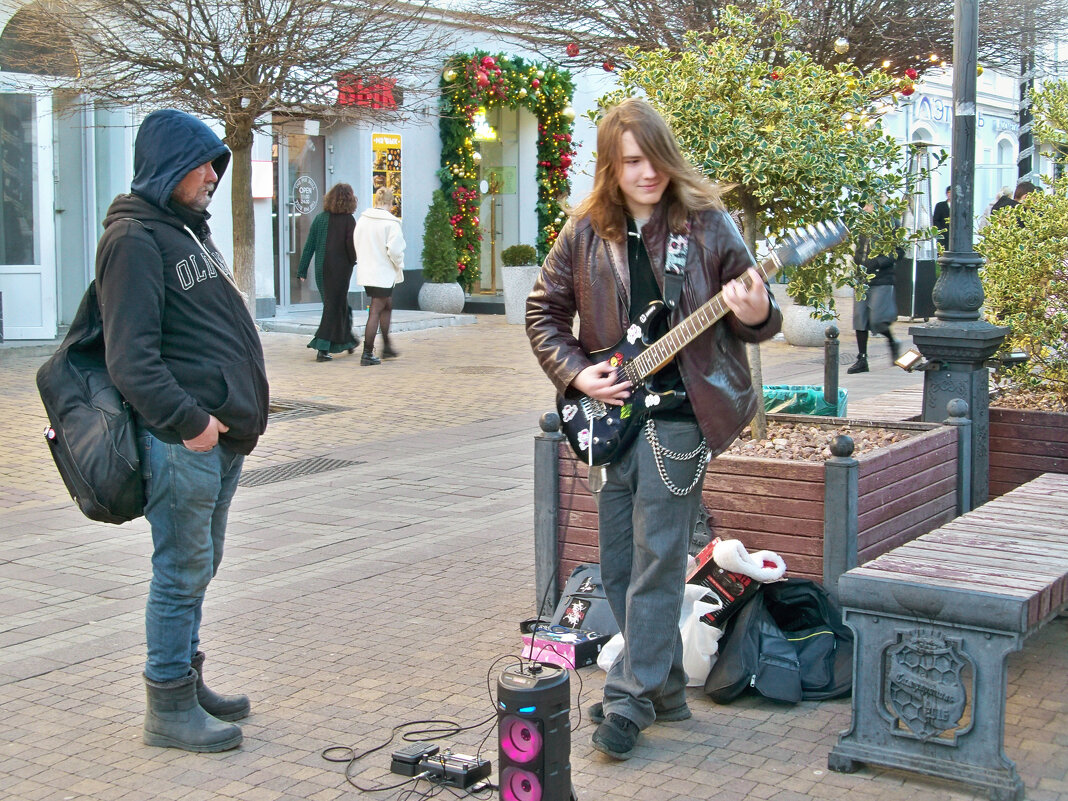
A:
(385, 588)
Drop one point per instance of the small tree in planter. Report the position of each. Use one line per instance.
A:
(1025, 281)
(440, 291)
(519, 270)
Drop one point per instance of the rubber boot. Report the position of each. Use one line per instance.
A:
(223, 707)
(175, 719)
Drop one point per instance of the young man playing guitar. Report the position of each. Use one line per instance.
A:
(651, 223)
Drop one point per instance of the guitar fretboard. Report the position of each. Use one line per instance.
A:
(661, 352)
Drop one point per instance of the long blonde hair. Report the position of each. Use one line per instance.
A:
(687, 189)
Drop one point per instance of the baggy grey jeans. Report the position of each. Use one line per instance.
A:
(644, 533)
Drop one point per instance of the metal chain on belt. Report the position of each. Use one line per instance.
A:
(659, 452)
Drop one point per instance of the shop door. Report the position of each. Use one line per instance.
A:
(300, 166)
(27, 252)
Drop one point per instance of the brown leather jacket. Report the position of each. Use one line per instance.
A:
(589, 276)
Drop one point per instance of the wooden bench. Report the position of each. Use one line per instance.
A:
(935, 620)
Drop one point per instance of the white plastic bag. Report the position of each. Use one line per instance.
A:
(700, 641)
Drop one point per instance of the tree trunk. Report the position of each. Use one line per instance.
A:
(749, 234)
(239, 139)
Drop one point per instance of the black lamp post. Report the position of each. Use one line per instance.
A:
(958, 343)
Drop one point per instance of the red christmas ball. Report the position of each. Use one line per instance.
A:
(487, 61)
(482, 79)
(775, 75)
(908, 90)
(535, 83)
(911, 74)
(565, 161)
(572, 50)
(608, 66)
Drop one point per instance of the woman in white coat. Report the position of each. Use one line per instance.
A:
(379, 267)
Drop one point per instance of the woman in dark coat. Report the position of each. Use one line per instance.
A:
(330, 241)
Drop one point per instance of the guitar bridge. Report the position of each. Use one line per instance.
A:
(593, 409)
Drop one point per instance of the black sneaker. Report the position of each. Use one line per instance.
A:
(859, 366)
(616, 737)
(369, 359)
(895, 350)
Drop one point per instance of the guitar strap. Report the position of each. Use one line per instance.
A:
(674, 266)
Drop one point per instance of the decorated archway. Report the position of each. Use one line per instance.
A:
(473, 83)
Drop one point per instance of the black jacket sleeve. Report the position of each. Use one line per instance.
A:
(130, 286)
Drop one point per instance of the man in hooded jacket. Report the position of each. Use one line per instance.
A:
(183, 350)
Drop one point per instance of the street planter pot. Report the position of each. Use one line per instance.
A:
(822, 518)
(1024, 444)
(441, 298)
(518, 282)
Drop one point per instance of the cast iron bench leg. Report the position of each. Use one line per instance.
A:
(914, 681)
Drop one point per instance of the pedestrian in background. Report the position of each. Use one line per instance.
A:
(330, 242)
(379, 267)
(183, 350)
(878, 309)
(940, 218)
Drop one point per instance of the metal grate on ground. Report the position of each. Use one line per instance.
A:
(282, 409)
(289, 470)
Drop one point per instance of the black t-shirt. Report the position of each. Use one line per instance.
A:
(643, 291)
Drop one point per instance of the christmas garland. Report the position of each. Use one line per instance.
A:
(478, 80)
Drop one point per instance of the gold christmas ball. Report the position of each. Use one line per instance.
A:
(476, 157)
(567, 113)
(841, 45)
(522, 92)
(978, 69)
(449, 74)
(541, 73)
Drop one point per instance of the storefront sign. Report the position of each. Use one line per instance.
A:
(386, 166)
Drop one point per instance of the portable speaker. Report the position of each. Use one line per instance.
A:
(534, 733)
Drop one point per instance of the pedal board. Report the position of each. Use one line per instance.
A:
(455, 770)
(406, 760)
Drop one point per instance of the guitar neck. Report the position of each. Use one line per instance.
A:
(661, 352)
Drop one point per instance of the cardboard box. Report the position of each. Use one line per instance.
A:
(568, 648)
(730, 588)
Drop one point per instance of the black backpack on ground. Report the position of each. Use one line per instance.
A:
(787, 642)
(92, 434)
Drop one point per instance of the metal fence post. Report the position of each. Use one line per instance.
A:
(546, 511)
(958, 416)
(840, 502)
(830, 366)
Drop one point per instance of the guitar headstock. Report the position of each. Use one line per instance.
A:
(804, 244)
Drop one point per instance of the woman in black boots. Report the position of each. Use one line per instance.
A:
(380, 267)
(878, 309)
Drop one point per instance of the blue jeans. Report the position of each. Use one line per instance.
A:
(188, 497)
(644, 534)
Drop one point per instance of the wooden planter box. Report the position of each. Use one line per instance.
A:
(1024, 444)
(901, 492)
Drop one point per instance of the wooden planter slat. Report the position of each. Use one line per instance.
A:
(1025, 443)
(901, 517)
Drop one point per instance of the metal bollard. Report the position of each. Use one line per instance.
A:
(830, 366)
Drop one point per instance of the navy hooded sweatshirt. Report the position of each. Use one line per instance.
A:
(180, 342)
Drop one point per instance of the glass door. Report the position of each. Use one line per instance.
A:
(300, 167)
(27, 253)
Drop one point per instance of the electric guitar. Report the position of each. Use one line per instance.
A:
(598, 431)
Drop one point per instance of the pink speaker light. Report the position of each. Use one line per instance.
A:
(519, 785)
(520, 739)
